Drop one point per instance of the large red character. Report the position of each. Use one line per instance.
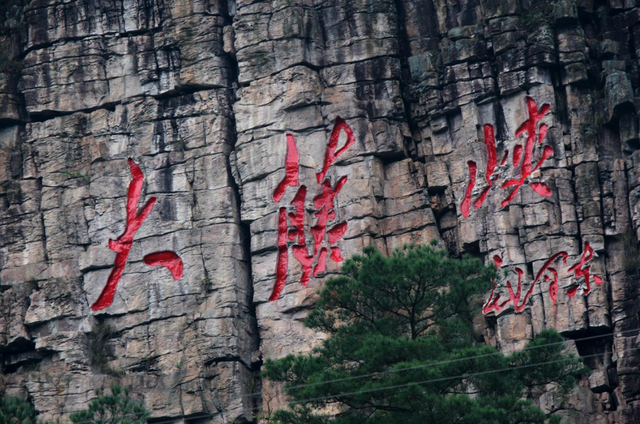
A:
(291, 225)
(535, 132)
(581, 269)
(122, 246)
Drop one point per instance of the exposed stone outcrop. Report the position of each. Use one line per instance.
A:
(202, 94)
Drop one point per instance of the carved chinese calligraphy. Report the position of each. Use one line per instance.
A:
(547, 273)
(291, 225)
(582, 269)
(523, 158)
(123, 244)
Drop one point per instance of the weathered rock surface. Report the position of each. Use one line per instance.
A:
(201, 94)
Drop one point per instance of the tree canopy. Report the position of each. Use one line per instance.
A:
(116, 407)
(402, 349)
(14, 410)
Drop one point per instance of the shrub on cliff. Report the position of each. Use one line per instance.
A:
(401, 349)
(114, 408)
(14, 410)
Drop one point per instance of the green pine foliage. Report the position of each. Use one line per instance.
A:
(14, 410)
(401, 349)
(114, 408)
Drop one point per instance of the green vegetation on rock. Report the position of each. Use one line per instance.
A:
(402, 349)
(14, 410)
(114, 408)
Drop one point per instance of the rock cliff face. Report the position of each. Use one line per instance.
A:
(201, 94)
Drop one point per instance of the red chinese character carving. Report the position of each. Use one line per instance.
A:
(283, 255)
(522, 157)
(490, 142)
(331, 154)
(582, 269)
(293, 230)
(296, 234)
(466, 203)
(123, 244)
(324, 204)
(291, 170)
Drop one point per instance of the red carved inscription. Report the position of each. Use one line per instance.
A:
(291, 225)
(122, 245)
(548, 274)
(522, 160)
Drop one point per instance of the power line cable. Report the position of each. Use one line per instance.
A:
(437, 380)
(486, 355)
(399, 386)
(463, 376)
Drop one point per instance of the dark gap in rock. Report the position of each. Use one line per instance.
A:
(50, 44)
(228, 9)
(8, 122)
(16, 164)
(599, 346)
(21, 353)
(137, 32)
(562, 112)
(253, 383)
(165, 419)
(612, 375)
(26, 365)
(530, 273)
(631, 146)
(197, 418)
(387, 158)
(145, 365)
(45, 115)
(501, 127)
(472, 248)
(186, 89)
(245, 234)
(405, 79)
(229, 358)
(158, 134)
(450, 240)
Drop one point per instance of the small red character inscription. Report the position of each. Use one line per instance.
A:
(293, 229)
(123, 244)
(546, 273)
(522, 157)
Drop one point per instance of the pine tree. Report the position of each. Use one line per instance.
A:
(14, 410)
(402, 349)
(114, 408)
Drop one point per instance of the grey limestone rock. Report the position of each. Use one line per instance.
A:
(202, 95)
